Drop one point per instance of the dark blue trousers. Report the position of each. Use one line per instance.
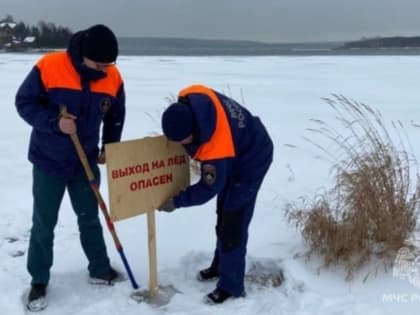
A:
(235, 208)
(48, 192)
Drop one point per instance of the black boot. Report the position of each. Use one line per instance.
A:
(37, 297)
(218, 296)
(210, 273)
(108, 278)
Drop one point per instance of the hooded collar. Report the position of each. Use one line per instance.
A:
(74, 51)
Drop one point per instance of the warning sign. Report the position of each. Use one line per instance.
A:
(144, 173)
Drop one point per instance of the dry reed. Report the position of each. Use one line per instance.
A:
(371, 210)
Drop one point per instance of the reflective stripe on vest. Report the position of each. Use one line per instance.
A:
(57, 71)
(220, 144)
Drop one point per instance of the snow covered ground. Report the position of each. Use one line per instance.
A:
(285, 92)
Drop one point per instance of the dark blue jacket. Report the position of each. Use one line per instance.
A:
(253, 147)
(94, 97)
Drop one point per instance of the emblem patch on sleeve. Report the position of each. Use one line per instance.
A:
(209, 174)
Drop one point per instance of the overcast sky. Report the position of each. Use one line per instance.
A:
(263, 20)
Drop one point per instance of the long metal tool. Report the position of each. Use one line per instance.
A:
(94, 185)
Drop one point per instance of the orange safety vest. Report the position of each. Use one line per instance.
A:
(57, 71)
(220, 144)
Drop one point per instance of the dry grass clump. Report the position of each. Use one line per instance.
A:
(372, 208)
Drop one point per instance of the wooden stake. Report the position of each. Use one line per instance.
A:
(151, 227)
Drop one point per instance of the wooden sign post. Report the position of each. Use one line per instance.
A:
(142, 175)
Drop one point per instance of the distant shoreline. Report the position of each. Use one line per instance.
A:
(196, 47)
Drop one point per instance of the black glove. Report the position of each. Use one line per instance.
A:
(167, 206)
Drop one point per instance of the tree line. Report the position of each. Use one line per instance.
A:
(385, 42)
(46, 34)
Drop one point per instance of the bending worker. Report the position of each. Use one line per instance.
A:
(235, 152)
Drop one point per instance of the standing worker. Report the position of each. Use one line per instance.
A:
(85, 80)
(235, 152)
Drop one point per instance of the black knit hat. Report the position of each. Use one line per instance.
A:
(178, 121)
(99, 44)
